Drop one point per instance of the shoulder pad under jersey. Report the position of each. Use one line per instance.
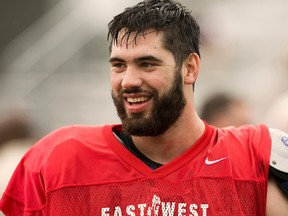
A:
(279, 150)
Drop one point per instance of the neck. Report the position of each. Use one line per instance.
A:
(177, 139)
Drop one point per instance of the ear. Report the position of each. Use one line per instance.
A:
(191, 68)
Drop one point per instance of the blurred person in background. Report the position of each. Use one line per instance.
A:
(16, 136)
(222, 110)
(163, 159)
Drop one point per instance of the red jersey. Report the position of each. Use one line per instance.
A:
(87, 171)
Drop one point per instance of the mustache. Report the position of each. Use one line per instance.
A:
(151, 93)
(131, 91)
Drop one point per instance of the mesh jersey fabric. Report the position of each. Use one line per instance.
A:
(83, 170)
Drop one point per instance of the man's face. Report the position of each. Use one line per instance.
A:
(146, 86)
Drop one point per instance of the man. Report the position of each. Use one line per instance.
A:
(222, 110)
(163, 159)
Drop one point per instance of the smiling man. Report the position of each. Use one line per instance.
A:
(163, 159)
(145, 83)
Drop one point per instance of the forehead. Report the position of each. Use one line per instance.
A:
(133, 40)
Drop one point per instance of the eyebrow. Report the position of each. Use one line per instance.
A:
(148, 58)
(143, 58)
(113, 59)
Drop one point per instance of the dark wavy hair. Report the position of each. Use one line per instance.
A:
(181, 31)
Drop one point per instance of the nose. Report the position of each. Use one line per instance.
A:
(132, 78)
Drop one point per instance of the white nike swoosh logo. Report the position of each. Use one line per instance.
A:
(211, 162)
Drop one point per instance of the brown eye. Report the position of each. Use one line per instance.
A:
(115, 63)
(146, 65)
(118, 67)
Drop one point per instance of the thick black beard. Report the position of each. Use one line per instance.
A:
(165, 112)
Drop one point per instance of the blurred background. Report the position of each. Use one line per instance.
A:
(54, 67)
(54, 57)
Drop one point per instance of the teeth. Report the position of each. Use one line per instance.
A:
(137, 100)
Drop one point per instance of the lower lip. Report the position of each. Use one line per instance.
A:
(137, 107)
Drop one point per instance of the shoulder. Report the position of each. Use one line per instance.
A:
(250, 143)
(279, 150)
(247, 130)
(64, 134)
(279, 159)
(65, 139)
(247, 134)
(243, 137)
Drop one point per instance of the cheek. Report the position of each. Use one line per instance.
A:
(161, 85)
(166, 81)
(115, 81)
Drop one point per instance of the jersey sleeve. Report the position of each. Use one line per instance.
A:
(249, 148)
(260, 149)
(25, 191)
